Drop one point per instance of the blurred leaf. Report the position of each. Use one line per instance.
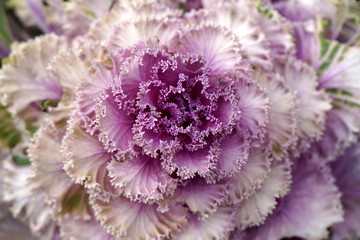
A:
(44, 105)
(31, 128)
(21, 160)
(4, 26)
(9, 135)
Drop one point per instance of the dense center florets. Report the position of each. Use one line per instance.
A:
(180, 102)
(170, 104)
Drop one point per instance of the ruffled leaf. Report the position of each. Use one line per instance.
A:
(79, 229)
(338, 76)
(142, 178)
(276, 30)
(202, 197)
(235, 17)
(216, 226)
(340, 129)
(187, 163)
(30, 208)
(24, 79)
(234, 154)
(346, 172)
(86, 164)
(153, 32)
(313, 103)
(122, 217)
(282, 115)
(307, 211)
(251, 176)
(221, 53)
(126, 11)
(95, 83)
(115, 125)
(49, 176)
(254, 210)
(253, 106)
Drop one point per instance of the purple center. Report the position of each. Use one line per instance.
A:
(176, 100)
